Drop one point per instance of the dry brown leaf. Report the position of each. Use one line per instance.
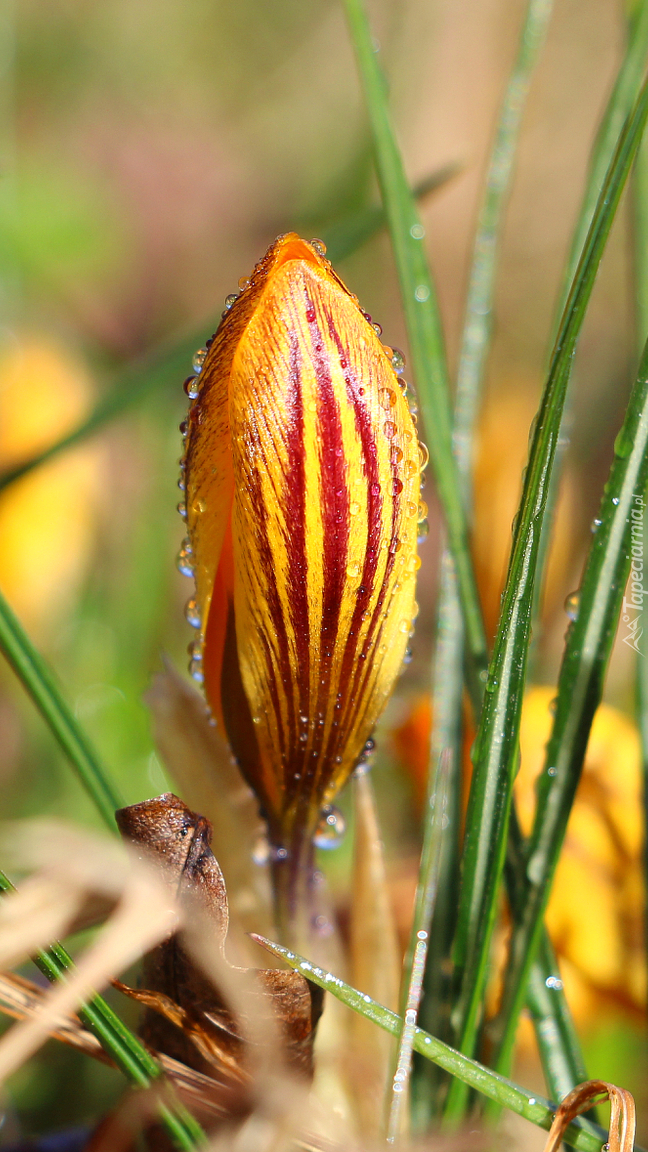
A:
(375, 958)
(622, 1117)
(200, 761)
(194, 1022)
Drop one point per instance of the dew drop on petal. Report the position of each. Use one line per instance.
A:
(192, 613)
(412, 508)
(184, 558)
(354, 508)
(424, 456)
(319, 246)
(389, 429)
(397, 361)
(396, 454)
(182, 509)
(422, 511)
(397, 487)
(230, 300)
(191, 387)
(199, 359)
(330, 829)
(353, 570)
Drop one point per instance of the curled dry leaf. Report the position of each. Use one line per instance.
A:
(185, 1015)
(622, 1116)
(200, 761)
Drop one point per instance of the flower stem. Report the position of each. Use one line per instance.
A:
(293, 884)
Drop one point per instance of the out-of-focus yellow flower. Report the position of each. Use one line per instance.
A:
(46, 518)
(595, 913)
(302, 500)
(502, 452)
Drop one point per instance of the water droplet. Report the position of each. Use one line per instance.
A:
(423, 531)
(184, 428)
(375, 489)
(408, 657)
(572, 604)
(404, 626)
(555, 983)
(553, 704)
(411, 508)
(192, 613)
(377, 328)
(595, 525)
(389, 429)
(387, 397)
(330, 829)
(531, 1100)
(230, 300)
(184, 558)
(622, 445)
(410, 468)
(353, 570)
(244, 283)
(414, 563)
(413, 410)
(354, 508)
(261, 850)
(615, 500)
(396, 454)
(319, 246)
(199, 359)
(551, 772)
(181, 483)
(394, 546)
(182, 509)
(422, 293)
(417, 231)
(191, 387)
(422, 511)
(397, 361)
(424, 456)
(397, 487)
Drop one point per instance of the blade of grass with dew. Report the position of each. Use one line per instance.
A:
(580, 686)
(490, 795)
(447, 695)
(347, 236)
(169, 364)
(127, 1051)
(414, 967)
(423, 330)
(581, 1135)
(40, 683)
(640, 256)
(623, 95)
(475, 341)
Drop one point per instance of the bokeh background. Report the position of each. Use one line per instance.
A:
(148, 155)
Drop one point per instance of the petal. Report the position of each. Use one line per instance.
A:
(302, 435)
(326, 462)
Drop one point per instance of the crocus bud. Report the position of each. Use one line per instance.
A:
(302, 499)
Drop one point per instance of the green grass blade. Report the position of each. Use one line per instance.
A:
(37, 678)
(127, 1051)
(496, 745)
(581, 1135)
(347, 236)
(557, 1041)
(580, 687)
(424, 331)
(619, 105)
(415, 961)
(475, 340)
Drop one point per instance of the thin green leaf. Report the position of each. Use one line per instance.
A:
(580, 1135)
(414, 968)
(496, 745)
(127, 1051)
(580, 687)
(423, 330)
(41, 685)
(557, 1041)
